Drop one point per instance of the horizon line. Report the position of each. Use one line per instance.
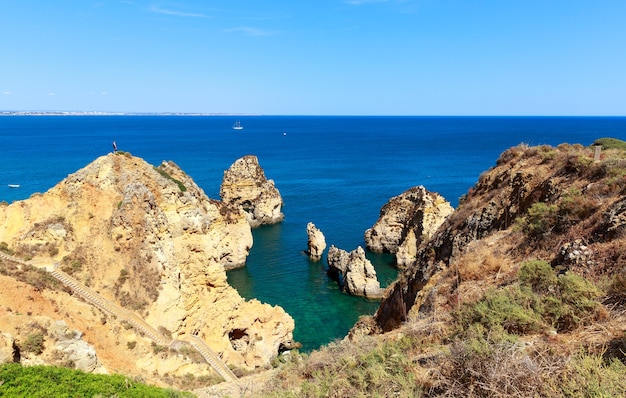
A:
(112, 113)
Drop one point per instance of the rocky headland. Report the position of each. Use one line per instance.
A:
(145, 239)
(535, 203)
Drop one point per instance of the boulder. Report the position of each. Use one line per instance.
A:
(415, 214)
(8, 349)
(316, 242)
(354, 272)
(74, 349)
(245, 186)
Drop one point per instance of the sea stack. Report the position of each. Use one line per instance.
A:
(245, 186)
(405, 221)
(354, 272)
(316, 242)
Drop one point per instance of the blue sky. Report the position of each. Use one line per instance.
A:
(321, 57)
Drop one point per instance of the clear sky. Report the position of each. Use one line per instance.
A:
(316, 57)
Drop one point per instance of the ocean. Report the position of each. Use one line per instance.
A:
(336, 172)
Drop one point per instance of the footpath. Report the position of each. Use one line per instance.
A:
(133, 319)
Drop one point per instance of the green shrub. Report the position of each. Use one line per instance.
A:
(610, 143)
(512, 309)
(589, 375)
(163, 173)
(538, 276)
(617, 289)
(539, 220)
(370, 369)
(541, 300)
(49, 381)
(34, 343)
(156, 348)
(5, 248)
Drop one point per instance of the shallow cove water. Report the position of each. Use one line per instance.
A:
(336, 172)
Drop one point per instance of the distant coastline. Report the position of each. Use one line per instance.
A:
(99, 113)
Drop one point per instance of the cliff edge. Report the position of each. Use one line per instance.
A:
(149, 240)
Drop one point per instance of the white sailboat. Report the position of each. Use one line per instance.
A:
(237, 126)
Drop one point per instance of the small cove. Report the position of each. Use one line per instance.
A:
(336, 172)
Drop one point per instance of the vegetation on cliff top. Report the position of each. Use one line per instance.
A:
(490, 349)
(525, 293)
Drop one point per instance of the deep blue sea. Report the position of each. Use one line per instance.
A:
(334, 171)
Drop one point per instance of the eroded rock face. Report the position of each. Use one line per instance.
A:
(354, 271)
(74, 349)
(8, 348)
(405, 221)
(316, 242)
(494, 209)
(150, 240)
(244, 185)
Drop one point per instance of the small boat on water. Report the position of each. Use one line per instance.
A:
(14, 185)
(237, 126)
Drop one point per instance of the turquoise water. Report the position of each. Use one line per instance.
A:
(334, 171)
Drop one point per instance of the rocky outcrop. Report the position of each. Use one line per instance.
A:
(245, 186)
(536, 203)
(73, 349)
(576, 253)
(406, 221)
(316, 242)
(148, 239)
(8, 349)
(354, 272)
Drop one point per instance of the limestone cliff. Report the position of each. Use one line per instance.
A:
(553, 204)
(150, 240)
(245, 186)
(406, 221)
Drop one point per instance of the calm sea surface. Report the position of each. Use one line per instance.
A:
(334, 171)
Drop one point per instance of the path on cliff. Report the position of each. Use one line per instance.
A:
(135, 320)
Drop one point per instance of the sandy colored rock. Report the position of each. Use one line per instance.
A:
(245, 186)
(354, 271)
(316, 242)
(150, 240)
(8, 349)
(405, 221)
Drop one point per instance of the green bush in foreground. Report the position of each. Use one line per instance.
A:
(49, 381)
(369, 369)
(540, 301)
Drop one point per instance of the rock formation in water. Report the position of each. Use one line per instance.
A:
(147, 239)
(316, 242)
(406, 221)
(354, 271)
(244, 185)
